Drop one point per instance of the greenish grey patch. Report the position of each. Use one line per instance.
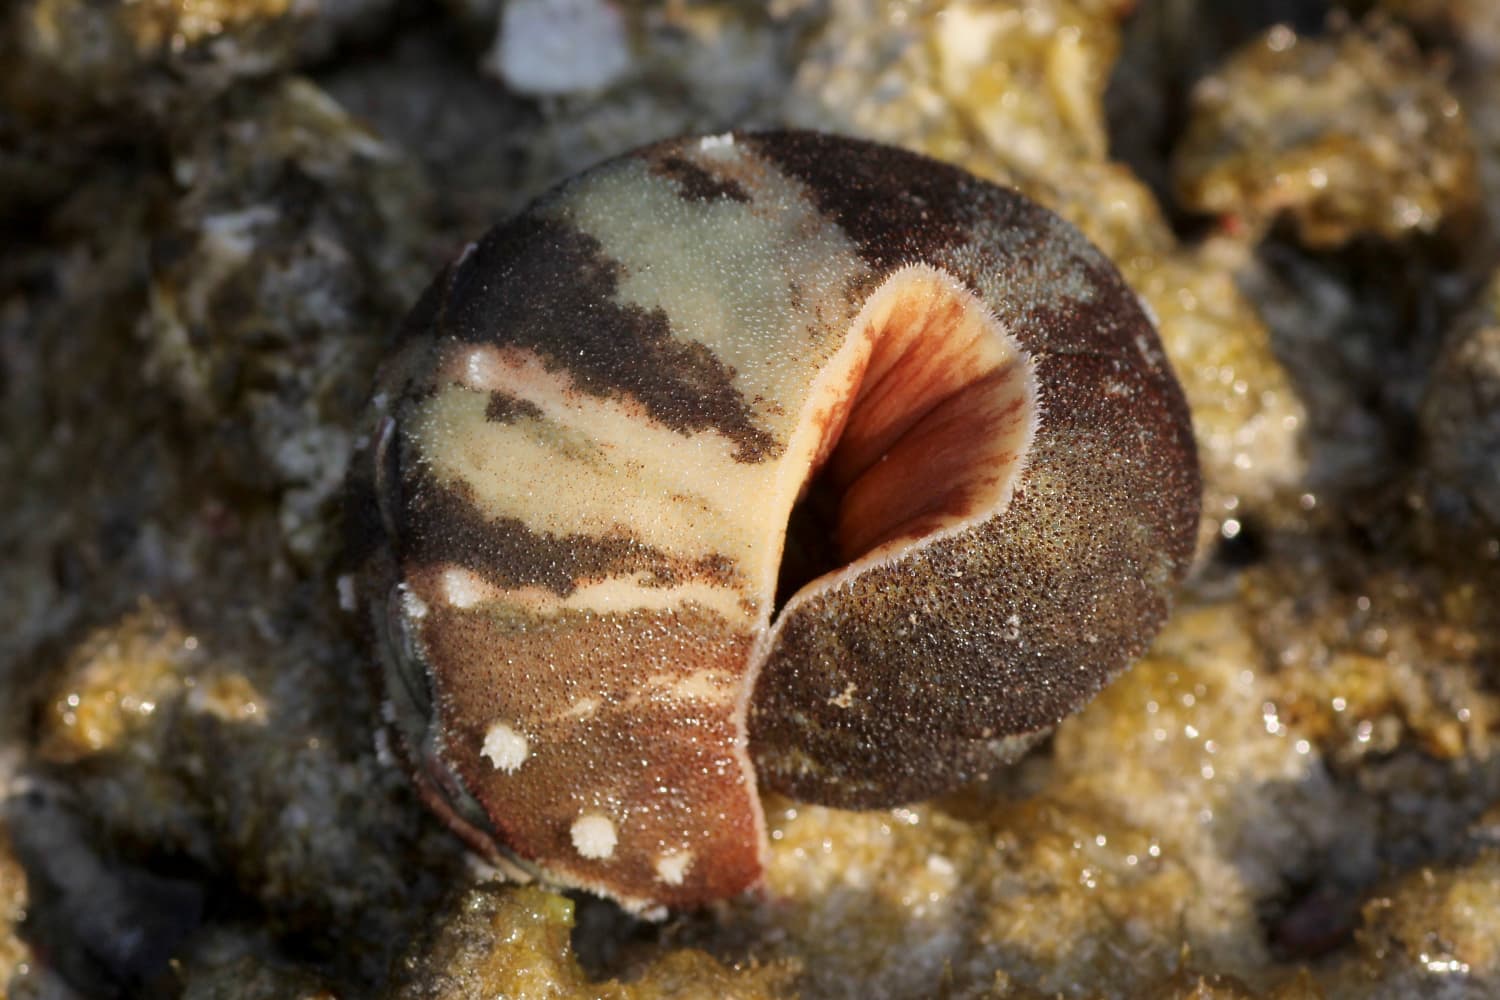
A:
(724, 273)
(1056, 261)
(567, 442)
(467, 412)
(507, 619)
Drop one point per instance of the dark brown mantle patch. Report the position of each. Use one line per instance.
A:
(545, 286)
(695, 183)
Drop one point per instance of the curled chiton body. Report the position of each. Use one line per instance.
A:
(753, 461)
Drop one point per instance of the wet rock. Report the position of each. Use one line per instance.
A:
(1461, 413)
(72, 59)
(508, 941)
(1432, 933)
(205, 254)
(1347, 134)
(107, 927)
(15, 954)
(548, 49)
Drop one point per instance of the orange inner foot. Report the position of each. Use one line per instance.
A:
(932, 436)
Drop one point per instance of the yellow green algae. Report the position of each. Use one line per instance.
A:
(1019, 85)
(1351, 134)
(15, 954)
(516, 942)
(1292, 795)
(1430, 933)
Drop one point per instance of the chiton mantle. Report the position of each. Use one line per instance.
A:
(757, 461)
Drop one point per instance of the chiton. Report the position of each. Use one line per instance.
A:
(757, 461)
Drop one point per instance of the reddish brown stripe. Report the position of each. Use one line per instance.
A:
(661, 768)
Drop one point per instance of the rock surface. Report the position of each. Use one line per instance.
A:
(215, 216)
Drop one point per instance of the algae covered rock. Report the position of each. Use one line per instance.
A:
(1346, 134)
(73, 59)
(508, 941)
(215, 216)
(1461, 409)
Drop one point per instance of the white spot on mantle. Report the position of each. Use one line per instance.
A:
(672, 867)
(462, 588)
(594, 836)
(506, 748)
(582, 708)
(845, 699)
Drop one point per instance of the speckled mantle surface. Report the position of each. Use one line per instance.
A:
(214, 216)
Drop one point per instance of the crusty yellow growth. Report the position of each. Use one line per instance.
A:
(124, 678)
(1345, 134)
(14, 899)
(514, 942)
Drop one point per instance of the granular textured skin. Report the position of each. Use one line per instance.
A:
(586, 445)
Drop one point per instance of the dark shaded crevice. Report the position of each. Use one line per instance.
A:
(1321, 905)
(1244, 547)
(605, 937)
(1311, 920)
(1358, 329)
(811, 549)
(105, 923)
